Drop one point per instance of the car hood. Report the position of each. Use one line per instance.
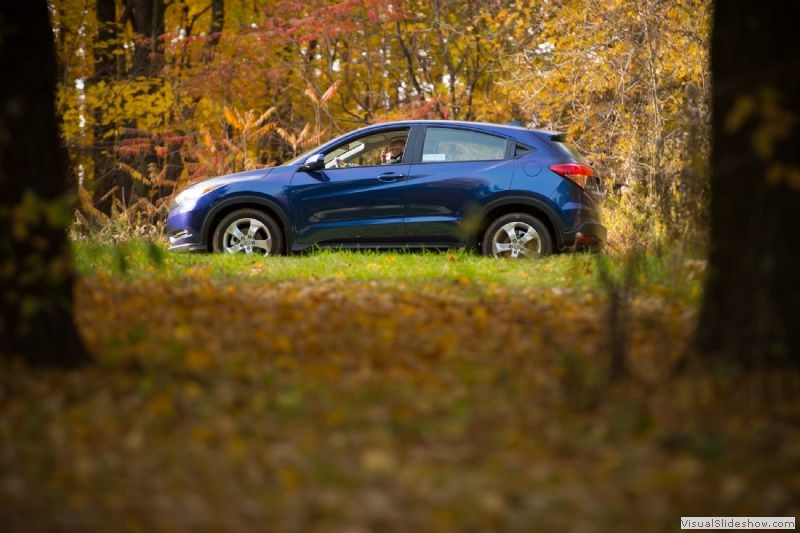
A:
(239, 176)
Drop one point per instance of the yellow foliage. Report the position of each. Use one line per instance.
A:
(627, 80)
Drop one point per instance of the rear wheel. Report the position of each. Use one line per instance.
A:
(517, 236)
(248, 231)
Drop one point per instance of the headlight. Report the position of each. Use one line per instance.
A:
(193, 193)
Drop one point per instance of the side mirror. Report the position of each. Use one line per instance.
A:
(315, 162)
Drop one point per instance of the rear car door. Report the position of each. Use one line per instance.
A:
(457, 170)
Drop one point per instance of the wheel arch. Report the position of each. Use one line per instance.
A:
(266, 205)
(522, 204)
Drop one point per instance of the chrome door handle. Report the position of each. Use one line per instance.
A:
(389, 177)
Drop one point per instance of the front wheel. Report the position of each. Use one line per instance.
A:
(517, 235)
(248, 231)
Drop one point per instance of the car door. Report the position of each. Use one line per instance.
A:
(355, 199)
(457, 170)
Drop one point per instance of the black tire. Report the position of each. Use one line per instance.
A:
(522, 223)
(264, 236)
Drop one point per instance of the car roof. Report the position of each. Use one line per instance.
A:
(506, 129)
(520, 134)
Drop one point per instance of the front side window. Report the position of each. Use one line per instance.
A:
(447, 145)
(384, 148)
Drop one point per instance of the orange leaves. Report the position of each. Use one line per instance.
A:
(327, 95)
(414, 405)
(311, 93)
(212, 324)
(242, 150)
(199, 359)
(233, 118)
(247, 123)
(304, 138)
(294, 139)
(282, 344)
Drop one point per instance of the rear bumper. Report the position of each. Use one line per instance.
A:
(588, 236)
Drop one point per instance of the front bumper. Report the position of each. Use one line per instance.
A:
(185, 231)
(187, 247)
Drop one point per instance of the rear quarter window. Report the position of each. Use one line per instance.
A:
(449, 145)
(521, 150)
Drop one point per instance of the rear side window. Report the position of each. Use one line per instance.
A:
(448, 145)
(522, 150)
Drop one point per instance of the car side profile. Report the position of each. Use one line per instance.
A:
(505, 190)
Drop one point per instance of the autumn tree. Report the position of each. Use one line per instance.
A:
(626, 80)
(749, 313)
(36, 273)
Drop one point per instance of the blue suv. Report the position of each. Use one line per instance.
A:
(509, 191)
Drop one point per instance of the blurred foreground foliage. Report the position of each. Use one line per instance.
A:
(387, 392)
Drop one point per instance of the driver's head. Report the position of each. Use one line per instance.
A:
(393, 152)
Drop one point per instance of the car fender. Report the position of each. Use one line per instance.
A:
(534, 201)
(249, 200)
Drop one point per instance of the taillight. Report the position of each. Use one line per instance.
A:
(579, 174)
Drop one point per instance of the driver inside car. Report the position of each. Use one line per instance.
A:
(393, 152)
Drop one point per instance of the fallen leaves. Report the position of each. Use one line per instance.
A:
(394, 405)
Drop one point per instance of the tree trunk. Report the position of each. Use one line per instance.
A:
(36, 281)
(148, 22)
(215, 29)
(749, 313)
(217, 22)
(108, 41)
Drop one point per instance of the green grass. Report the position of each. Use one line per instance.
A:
(145, 259)
(670, 275)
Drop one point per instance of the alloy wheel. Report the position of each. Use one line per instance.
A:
(248, 236)
(516, 239)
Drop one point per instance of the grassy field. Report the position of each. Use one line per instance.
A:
(671, 275)
(388, 392)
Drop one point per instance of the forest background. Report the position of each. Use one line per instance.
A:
(155, 94)
(398, 391)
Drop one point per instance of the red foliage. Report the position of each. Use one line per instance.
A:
(134, 147)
